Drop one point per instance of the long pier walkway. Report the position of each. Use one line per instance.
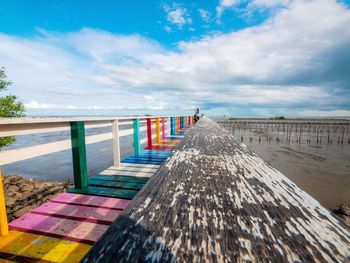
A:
(65, 228)
(198, 195)
(214, 200)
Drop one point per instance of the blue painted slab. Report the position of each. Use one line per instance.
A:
(160, 159)
(146, 158)
(154, 154)
(142, 162)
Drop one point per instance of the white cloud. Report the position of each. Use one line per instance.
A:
(204, 14)
(168, 29)
(225, 4)
(35, 105)
(324, 113)
(40, 106)
(177, 15)
(269, 3)
(247, 7)
(298, 58)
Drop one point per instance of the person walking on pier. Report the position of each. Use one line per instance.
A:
(196, 116)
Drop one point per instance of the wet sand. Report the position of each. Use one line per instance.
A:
(320, 168)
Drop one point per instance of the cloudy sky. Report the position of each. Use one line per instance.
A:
(233, 57)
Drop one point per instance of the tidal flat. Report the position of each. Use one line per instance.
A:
(313, 153)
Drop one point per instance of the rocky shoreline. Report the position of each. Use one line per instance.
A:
(23, 194)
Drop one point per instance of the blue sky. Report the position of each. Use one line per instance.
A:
(233, 57)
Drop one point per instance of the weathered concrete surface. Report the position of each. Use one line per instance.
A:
(216, 201)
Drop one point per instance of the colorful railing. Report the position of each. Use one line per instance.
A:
(63, 229)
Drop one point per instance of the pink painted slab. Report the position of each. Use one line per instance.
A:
(58, 227)
(78, 212)
(90, 200)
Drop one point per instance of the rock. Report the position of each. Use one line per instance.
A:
(27, 188)
(23, 210)
(10, 201)
(22, 194)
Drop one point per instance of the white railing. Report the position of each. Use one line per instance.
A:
(77, 142)
(26, 126)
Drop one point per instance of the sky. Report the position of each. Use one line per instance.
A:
(226, 57)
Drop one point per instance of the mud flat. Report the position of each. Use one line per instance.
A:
(315, 154)
(22, 194)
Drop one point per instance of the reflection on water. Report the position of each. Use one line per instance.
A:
(316, 156)
(58, 166)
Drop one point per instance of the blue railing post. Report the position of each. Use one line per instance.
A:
(137, 141)
(77, 131)
(172, 125)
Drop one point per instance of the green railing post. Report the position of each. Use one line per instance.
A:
(137, 141)
(79, 154)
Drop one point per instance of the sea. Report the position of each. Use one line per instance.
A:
(58, 166)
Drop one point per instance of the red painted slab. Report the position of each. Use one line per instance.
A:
(89, 200)
(78, 212)
(169, 139)
(58, 227)
(160, 147)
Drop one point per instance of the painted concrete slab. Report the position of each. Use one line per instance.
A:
(58, 227)
(135, 169)
(19, 245)
(97, 201)
(160, 147)
(135, 174)
(139, 165)
(105, 191)
(121, 178)
(115, 184)
(142, 162)
(78, 212)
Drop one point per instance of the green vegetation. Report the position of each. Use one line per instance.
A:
(278, 118)
(10, 105)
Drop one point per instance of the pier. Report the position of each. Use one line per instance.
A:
(65, 228)
(195, 193)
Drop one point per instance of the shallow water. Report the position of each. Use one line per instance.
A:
(320, 168)
(58, 166)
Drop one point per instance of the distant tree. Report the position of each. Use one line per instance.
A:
(10, 106)
(278, 118)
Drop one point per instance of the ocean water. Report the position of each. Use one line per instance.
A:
(58, 166)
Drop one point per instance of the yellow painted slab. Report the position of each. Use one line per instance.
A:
(166, 143)
(42, 247)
